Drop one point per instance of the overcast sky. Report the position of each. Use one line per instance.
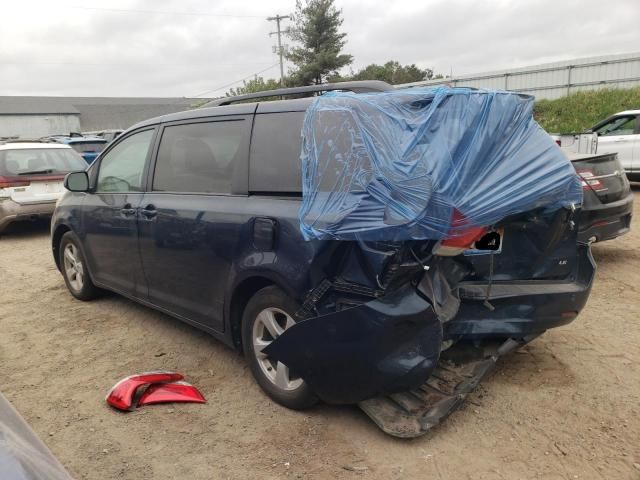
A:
(199, 48)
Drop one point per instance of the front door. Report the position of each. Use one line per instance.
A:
(111, 215)
(620, 135)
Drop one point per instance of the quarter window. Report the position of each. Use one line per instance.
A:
(121, 169)
(198, 157)
(275, 153)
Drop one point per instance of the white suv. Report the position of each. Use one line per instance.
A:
(620, 133)
(31, 178)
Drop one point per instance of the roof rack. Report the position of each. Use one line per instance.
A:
(355, 87)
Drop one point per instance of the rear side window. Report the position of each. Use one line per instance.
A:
(199, 157)
(275, 153)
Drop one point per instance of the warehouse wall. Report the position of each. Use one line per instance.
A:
(35, 126)
(555, 80)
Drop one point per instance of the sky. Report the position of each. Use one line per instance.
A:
(199, 48)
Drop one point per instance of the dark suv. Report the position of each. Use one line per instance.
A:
(196, 214)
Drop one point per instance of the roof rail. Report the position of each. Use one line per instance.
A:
(355, 87)
(5, 140)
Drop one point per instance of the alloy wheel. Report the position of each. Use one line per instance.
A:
(73, 267)
(269, 325)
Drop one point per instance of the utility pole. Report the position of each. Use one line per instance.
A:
(280, 49)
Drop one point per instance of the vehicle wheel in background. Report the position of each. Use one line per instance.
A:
(267, 315)
(74, 269)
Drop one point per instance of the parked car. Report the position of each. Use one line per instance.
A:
(620, 133)
(88, 147)
(214, 239)
(31, 178)
(108, 134)
(608, 200)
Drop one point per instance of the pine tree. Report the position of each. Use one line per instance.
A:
(316, 24)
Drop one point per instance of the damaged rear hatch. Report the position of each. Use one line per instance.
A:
(448, 216)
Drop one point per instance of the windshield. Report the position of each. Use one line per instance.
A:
(85, 147)
(40, 160)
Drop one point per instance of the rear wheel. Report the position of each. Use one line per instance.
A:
(74, 268)
(267, 315)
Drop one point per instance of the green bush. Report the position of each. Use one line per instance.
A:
(581, 110)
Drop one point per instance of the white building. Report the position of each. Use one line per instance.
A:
(32, 117)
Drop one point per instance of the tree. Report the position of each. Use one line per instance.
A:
(391, 72)
(258, 84)
(316, 24)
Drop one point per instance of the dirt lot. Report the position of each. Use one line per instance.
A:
(566, 406)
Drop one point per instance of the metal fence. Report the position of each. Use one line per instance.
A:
(554, 80)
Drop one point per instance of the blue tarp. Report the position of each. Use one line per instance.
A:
(399, 165)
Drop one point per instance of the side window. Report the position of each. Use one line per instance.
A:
(276, 145)
(122, 167)
(618, 126)
(199, 157)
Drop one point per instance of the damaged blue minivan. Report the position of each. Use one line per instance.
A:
(346, 242)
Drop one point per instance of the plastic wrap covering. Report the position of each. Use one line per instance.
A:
(425, 164)
(23, 456)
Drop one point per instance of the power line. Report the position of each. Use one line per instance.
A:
(233, 83)
(277, 19)
(161, 12)
(107, 64)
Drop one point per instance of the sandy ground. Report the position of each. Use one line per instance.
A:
(567, 406)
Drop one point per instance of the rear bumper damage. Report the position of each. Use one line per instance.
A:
(392, 344)
(461, 368)
(383, 346)
(522, 308)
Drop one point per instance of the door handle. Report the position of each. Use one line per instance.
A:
(149, 212)
(620, 140)
(127, 210)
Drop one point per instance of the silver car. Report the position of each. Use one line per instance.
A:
(31, 178)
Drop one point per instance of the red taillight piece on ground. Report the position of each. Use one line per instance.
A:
(588, 182)
(121, 396)
(171, 392)
(9, 182)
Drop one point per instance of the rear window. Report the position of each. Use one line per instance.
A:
(274, 165)
(199, 157)
(27, 161)
(85, 147)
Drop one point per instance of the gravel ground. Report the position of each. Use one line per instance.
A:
(566, 406)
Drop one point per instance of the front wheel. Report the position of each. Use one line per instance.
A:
(267, 315)
(74, 268)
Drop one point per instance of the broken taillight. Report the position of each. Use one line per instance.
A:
(169, 393)
(460, 238)
(588, 182)
(9, 182)
(121, 396)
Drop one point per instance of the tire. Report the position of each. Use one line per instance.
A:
(74, 268)
(271, 306)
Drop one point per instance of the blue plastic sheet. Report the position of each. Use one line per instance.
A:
(403, 164)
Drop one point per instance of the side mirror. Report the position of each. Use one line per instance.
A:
(77, 182)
